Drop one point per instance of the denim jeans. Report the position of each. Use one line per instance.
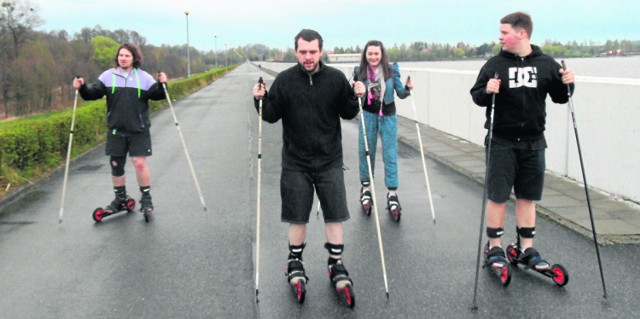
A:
(387, 127)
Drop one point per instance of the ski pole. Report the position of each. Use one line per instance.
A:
(318, 209)
(584, 178)
(184, 146)
(424, 164)
(373, 192)
(66, 166)
(261, 82)
(474, 306)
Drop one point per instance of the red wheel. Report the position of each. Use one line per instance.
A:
(505, 277)
(559, 274)
(98, 214)
(349, 296)
(396, 215)
(366, 208)
(131, 204)
(300, 291)
(512, 254)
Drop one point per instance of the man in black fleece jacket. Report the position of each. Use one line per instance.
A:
(517, 160)
(310, 98)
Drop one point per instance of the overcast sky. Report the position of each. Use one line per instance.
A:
(342, 23)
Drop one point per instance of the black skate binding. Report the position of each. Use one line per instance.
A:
(146, 207)
(393, 207)
(496, 259)
(119, 204)
(342, 283)
(365, 201)
(297, 278)
(531, 259)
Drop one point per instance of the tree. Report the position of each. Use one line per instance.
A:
(104, 49)
(18, 18)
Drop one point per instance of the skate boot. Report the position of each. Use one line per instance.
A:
(341, 281)
(118, 204)
(393, 206)
(497, 260)
(295, 272)
(532, 260)
(121, 202)
(146, 206)
(297, 278)
(365, 200)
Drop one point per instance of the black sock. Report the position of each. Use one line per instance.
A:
(145, 190)
(295, 252)
(120, 191)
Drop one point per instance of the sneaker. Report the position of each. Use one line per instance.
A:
(365, 196)
(393, 203)
(495, 256)
(531, 257)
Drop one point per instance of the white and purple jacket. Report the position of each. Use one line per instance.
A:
(127, 98)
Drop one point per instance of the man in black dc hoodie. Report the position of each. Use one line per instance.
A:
(517, 159)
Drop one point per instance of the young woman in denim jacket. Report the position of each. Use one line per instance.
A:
(381, 79)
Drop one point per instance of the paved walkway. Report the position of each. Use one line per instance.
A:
(563, 200)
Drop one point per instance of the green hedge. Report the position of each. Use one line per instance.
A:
(36, 145)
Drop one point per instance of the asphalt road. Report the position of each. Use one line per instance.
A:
(191, 263)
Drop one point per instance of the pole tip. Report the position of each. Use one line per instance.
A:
(387, 295)
(205, 208)
(434, 221)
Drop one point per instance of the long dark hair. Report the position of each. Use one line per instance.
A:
(384, 62)
(135, 52)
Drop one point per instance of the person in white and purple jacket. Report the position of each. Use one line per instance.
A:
(128, 90)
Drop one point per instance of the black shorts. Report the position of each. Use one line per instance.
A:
(296, 190)
(134, 144)
(522, 170)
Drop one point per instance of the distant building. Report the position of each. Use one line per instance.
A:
(343, 57)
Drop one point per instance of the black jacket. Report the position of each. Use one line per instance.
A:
(520, 109)
(310, 106)
(127, 99)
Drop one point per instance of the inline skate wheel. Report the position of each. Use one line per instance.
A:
(505, 276)
(512, 254)
(98, 214)
(300, 291)
(131, 205)
(559, 275)
(349, 296)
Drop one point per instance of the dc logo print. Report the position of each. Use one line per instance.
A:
(527, 76)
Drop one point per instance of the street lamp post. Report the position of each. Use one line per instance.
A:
(215, 53)
(186, 13)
